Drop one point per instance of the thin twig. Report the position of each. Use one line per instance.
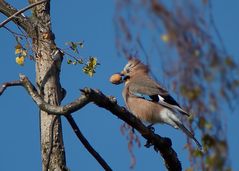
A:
(64, 52)
(142, 48)
(13, 33)
(86, 144)
(27, 40)
(21, 11)
(211, 18)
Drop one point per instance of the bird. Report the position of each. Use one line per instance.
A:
(148, 100)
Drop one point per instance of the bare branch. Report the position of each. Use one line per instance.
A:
(18, 12)
(161, 144)
(20, 20)
(9, 84)
(14, 33)
(57, 110)
(86, 144)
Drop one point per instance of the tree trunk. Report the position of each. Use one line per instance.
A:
(48, 81)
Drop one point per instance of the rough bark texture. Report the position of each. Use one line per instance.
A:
(38, 27)
(49, 95)
(47, 79)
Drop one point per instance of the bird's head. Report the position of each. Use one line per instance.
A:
(133, 67)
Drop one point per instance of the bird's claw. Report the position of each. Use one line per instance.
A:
(151, 127)
(148, 144)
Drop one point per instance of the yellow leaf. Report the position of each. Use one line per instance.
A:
(17, 51)
(165, 38)
(18, 46)
(20, 60)
(92, 62)
(90, 66)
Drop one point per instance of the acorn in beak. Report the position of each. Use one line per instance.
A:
(117, 78)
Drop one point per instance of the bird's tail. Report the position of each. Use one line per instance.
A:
(189, 134)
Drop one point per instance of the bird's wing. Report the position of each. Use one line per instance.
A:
(148, 89)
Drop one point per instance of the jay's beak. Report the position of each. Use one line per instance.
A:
(123, 73)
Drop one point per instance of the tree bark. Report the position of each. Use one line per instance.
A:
(48, 81)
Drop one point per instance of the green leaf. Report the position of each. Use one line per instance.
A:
(69, 61)
(73, 46)
(81, 44)
(92, 62)
(90, 66)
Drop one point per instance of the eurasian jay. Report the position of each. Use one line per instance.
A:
(148, 101)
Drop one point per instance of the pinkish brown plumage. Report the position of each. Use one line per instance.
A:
(148, 101)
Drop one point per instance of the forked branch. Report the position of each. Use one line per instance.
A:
(20, 12)
(8, 10)
(161, 144)
(34, 94)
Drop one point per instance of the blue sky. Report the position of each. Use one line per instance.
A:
(91, 21)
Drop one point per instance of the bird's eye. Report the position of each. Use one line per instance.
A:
(127, 68)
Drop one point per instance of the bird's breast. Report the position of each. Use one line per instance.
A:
(143, 109)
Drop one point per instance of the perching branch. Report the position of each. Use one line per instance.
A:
(161, 144)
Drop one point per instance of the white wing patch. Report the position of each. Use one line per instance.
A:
(161, 98)
(171, 106)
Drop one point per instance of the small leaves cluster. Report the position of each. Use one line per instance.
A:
(74, 46)
(89, 66)
(21, 54)
(75, 61)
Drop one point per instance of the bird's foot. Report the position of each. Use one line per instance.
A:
(148, 144)
(151, 127)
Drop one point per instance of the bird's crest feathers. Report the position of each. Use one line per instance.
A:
(135, 65)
